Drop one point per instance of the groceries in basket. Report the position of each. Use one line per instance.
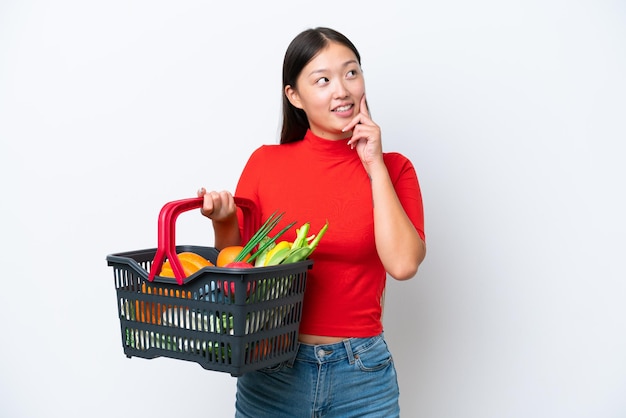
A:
(288, 252)
(190, 261)
(261, 250)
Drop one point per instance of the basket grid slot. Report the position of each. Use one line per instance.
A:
(145, 340)
(266, 348)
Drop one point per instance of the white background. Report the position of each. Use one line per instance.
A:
(512, 112)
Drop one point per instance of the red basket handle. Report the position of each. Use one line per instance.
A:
(167, 231)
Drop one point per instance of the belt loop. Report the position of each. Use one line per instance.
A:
(293, 359)
(348, 345)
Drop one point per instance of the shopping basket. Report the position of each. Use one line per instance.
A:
(232, 320)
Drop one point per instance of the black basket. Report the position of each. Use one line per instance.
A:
(233, 320)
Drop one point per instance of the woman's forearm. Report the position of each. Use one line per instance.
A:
(399, 246)
(226, 232)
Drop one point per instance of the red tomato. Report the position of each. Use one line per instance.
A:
(238, 265)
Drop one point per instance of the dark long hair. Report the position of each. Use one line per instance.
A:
(302, 49)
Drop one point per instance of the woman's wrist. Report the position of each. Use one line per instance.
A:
(226, 231)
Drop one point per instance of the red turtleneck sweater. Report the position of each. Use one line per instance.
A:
(315, 180)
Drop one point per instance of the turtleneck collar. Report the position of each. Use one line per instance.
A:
(330, 147)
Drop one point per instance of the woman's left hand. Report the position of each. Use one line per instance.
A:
(365, 137)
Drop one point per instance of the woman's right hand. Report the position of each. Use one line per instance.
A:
(217, 206)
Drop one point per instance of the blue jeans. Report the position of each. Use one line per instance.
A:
(352, 378)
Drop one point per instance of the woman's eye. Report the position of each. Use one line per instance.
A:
(351, 73)
(322, 81)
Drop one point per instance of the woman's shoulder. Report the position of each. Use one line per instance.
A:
(271, 154)
(398, 165)
(268, 150)
(396, 159)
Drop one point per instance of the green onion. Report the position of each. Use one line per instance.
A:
(270, 241)
(260, 234)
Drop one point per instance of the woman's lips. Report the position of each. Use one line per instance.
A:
(343, 110)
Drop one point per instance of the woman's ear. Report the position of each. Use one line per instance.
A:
(293, 97)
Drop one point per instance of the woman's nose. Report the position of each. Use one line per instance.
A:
(340, 90)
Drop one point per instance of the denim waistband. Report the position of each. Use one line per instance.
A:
(327, 353)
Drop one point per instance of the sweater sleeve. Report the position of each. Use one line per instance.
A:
(247, 186)
(406, 184)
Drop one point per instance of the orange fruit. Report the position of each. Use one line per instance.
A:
(191, 262)
(147, 311)
(261, 350)
(195, 259)
(228, 254)
(283, 342)
(188, 267)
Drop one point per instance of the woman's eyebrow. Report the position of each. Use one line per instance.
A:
(323, 70)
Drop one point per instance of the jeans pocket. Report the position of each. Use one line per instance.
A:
(274, 368)
(374, 358)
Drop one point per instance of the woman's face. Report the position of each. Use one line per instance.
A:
(329, 90)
